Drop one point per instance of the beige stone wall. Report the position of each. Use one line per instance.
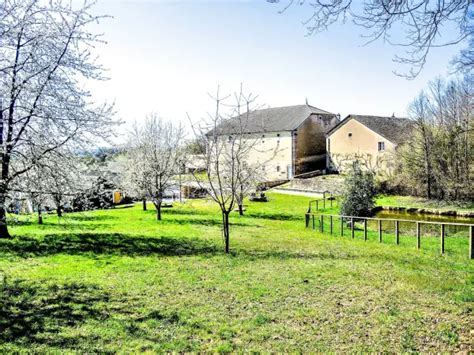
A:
(272, 152)
(361, 145)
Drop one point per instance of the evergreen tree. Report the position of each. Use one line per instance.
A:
(359, 193)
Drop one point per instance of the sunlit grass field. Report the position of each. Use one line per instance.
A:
(118, 280)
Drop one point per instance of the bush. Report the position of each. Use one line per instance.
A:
(359, 193)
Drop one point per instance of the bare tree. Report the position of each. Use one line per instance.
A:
(229, 176)
(45, 50)
(425, 24)
(439, 159)
(155, 154)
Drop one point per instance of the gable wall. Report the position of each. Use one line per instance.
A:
(363, 142)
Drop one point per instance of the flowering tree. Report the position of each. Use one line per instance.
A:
(155, 155)
(44, 52)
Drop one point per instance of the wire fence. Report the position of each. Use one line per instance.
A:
(392, 229)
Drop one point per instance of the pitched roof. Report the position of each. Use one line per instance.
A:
(275, 119)
(395, 129)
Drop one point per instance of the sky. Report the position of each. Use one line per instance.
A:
(166, 56)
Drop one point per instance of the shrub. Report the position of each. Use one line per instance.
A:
(359, 193)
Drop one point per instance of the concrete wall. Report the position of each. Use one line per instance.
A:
(354, 141)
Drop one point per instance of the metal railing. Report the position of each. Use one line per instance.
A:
(328, 200)
(311, 218)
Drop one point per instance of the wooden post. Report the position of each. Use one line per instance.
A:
(418, 236)
(442, 238)
(321, 227)
(352, 227)
(313, 222)
(307, 216)
(397, 234)
(471, 242)
(330, 224)
(324, 201)
(342, 226)
(365, 229)
(380, 230)
(317, 205)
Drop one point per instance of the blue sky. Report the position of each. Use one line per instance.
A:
(165, 56)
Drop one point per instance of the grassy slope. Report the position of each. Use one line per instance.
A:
(119, 280)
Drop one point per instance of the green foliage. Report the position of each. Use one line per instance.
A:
(112, 281)
(359, 193)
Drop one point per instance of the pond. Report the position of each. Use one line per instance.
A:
(423, 217)
(430, 229)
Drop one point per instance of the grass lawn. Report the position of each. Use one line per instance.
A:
(119, 280)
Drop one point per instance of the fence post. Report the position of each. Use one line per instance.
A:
(306, 218)
(330, 224)
(313, 222)
(352, 227)
(317, 205)
(342, 226)
(442, 238)
(418, 235)
(321, 223)
(380, 231)
(471, 242)
(324, 201)
(365, 229)
(397, 234)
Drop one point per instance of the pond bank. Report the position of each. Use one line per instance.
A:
(424, 211)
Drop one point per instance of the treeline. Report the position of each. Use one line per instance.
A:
(438, 160)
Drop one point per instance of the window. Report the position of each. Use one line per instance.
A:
(381, 146)
(349, 135)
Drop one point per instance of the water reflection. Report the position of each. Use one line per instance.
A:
(430, 229)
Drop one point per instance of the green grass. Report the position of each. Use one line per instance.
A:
(119, 280)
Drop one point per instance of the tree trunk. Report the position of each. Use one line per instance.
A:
(3, 222)
(40, 216)
(144, 204)
(158, 211)
(225, 225)
(59, 211)
(241, 209)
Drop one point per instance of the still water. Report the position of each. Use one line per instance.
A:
(431, 229)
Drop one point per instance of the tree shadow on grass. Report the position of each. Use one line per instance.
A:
(258, 254)
(201, 221)
(37, 313)
(106, 243)
(82, 217)
(275, 216)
